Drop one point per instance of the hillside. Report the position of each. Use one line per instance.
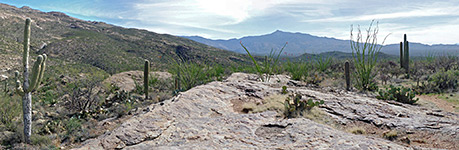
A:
(108, 47)
(299, 43)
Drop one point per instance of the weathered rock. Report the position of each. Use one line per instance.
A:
(203, 118)
(127, 80)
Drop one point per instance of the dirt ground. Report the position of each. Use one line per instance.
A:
(440, 103)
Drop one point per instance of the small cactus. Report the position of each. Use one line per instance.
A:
(348, 76)
(284, 90)
(146, 71)
(29, 85)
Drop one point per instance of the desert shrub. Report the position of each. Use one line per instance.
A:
(73, 130)
(269, 66)
(138, 88)
(322, 63)
(417, 71)
(446, 63)
(52, 126)
(294, 105)
(315, 78)
(50, 97)
(400, 94)
(191, 74)
(84, 96)
(391, 135)
(365, 54)
(40, 140)
(10, 111)
(297, 70)
(440, 82)
(357, 130)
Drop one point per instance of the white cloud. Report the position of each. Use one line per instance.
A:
(422, 12)
(427, 21)
(216, 15)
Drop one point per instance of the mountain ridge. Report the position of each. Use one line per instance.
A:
(108, 47)
(300, 43)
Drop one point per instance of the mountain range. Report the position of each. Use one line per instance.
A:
(300, 43)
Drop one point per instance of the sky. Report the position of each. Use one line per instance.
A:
(424, 21)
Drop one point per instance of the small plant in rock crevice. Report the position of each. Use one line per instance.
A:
(294, 105)
(284, 90)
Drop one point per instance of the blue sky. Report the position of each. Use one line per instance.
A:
(425, 21)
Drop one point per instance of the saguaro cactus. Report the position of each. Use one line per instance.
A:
(402, 64)
(348, 76)
(406, 54)
(28, 85)
(146, 71)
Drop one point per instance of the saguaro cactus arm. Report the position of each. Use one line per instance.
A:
(19, 89)
(43, 67)
(35, 74)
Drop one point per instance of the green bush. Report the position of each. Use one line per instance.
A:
(400, 94)
(72, 125)
(440, 82)
(191, 74)
(40, 140)
(50, 97)
(294, 106)
(323, 63)
(297, 70)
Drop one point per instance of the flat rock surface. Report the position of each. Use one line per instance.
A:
(204, 118)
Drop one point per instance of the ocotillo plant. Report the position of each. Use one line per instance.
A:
(28, 85)
(146, 71)
(348, 76)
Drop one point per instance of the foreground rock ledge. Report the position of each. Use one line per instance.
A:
(204, 118)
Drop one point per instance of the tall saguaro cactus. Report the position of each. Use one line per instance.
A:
(406, 54)
(146, 71)
(29, 84)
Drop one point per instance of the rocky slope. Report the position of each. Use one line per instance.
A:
(111, 48)
(212, 117)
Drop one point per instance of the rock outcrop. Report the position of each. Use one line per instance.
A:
(205, 117)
